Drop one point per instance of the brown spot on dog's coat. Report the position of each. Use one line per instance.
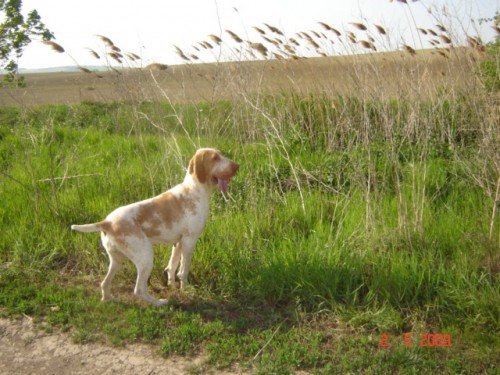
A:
(202, 163)
(165, 209)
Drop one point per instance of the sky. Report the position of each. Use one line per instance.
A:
(151, 28)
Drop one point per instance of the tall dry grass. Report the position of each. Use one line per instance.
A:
(337, 89)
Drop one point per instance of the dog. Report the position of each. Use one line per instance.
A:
(176, 217)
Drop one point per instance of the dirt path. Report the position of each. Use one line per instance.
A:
(27, 350)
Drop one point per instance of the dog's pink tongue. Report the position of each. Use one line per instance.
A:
(223, 184)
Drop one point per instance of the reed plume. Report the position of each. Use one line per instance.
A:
(106, 40)
(116, 56)
(236, 38)
(368, 45)
(445, 39)
(55, 47)
(259, 30)
(181, 54)
(380, 29)
(359, 26)
(259, 47)
(94, 53)
(215, 39)
(274, 29)
(409, 49)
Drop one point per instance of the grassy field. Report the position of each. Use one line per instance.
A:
(364, 213)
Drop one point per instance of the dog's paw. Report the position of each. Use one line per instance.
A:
(173, 284)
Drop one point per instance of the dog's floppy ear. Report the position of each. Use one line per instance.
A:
(197, 167)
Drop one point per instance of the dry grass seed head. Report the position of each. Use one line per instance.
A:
(409, 49)
(329, 28)
(259, 47)
(312, 42)
(441, 27)
(274, 29)
(116, 56)
(352, 37)
(289, 49)
(55, 47)
(181, 54)
(380, 29)
(269, 40)
(338, 33)
(235, 36)
(206, 45)
(94, 53)
(359, 26)
(326, 26)
(106, 40)
(445, 39)
(215, 39)
(316, 34)
(259, 30)
(368, 45)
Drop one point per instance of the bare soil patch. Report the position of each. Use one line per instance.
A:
(24, 349)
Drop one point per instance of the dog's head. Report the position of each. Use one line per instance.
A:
(210, 167)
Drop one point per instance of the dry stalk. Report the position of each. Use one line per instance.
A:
(283, 147)
(494, 212)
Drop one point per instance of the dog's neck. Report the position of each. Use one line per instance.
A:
(191, 182)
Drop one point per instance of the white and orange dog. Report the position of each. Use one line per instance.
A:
(177, 216)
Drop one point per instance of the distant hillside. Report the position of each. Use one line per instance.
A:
(61, 69)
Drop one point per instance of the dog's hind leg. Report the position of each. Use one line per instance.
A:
(143, 261)
(115, 261)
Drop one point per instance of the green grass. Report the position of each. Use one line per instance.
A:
(343, 223)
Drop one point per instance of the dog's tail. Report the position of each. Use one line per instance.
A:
(95, 227)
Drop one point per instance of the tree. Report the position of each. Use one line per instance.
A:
(15, 34)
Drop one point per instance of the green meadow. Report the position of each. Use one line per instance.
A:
(352, 223)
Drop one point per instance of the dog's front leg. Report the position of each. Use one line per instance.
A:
(187, 249)
(175, 257)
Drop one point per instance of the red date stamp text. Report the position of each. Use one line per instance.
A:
(424, 339)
